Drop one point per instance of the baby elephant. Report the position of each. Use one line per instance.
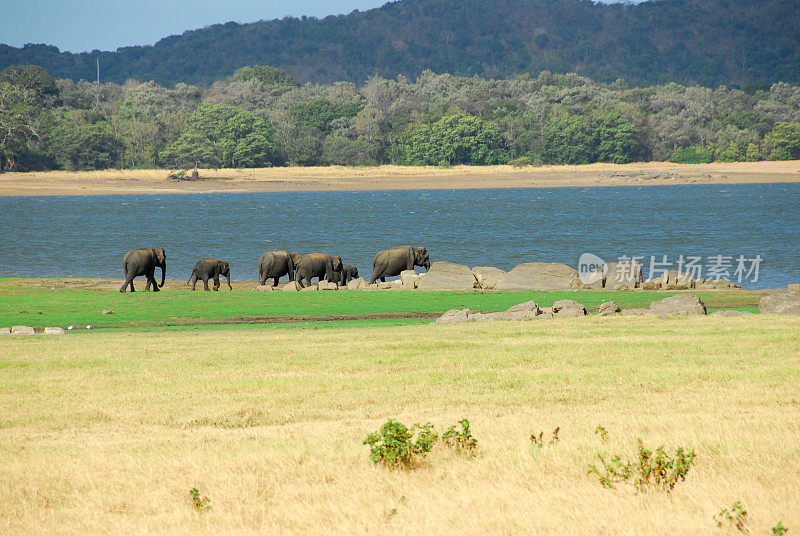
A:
(206, 269)
(349, 272)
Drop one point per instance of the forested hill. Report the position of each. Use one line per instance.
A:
(707, 42)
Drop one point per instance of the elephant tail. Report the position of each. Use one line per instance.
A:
(191, 276)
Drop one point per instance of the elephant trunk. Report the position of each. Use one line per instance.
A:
(163, 274)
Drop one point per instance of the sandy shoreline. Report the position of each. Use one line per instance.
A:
(335, 178)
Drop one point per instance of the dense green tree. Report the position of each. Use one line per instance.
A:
(693, 155)
(222, 136)
(618, 139)
(266, 74)
(321, 113)
(31, 78)
(83, 142)
(569, 139)
(786, 141)
(456, 138)
(753, 153)
(17, 126)
(341, 151)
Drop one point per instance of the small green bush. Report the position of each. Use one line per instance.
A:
(602, 432)
(199, 502)
(462, 441)
(735, 515)
(522, 161)
(779, 529)
(652, 470)
(392, 445)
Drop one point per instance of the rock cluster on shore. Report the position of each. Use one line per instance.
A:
(444, 275)
(28, 330)
(678, 305)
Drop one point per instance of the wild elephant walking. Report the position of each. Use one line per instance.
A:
(143, 261)
(206, 269)
(349, 272)
(321, 265)
(391, 262)
(276, 264)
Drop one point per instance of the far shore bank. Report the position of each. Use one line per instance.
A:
(338, 178)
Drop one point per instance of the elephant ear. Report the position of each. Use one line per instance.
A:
(161, 255)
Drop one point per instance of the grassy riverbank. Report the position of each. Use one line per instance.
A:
(108, 431)
(41, 303)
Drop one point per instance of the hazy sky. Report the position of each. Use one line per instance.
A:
(80, 25)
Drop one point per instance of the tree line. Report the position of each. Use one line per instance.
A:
(261, 116)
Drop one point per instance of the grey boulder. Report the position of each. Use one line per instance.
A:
(568, 308)
(54, 331)
(780, 303)
(540, 276)
(327, 285)
(291, 286)
(680, 304)
(356, 284)
(265, 288)
(454, 316)
(487, 276)
(608, 308)
(525, 306)
(444, 275)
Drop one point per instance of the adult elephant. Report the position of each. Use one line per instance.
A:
(349, 272)
(206, 269)
(319, 265)
(143, 261)
(276, 264)
(391, 262)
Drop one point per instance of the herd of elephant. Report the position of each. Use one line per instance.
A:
(274, 265)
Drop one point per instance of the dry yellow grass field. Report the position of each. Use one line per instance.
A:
(106, 432)
(389, 177)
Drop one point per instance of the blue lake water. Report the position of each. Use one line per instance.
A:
(87, 236)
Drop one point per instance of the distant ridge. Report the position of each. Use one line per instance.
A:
(708, 42)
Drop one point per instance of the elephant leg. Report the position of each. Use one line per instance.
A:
(275, 281)
(154, 282)
(205, 283)
(216, 283)
(193, 281)
(151, 278)
(383, 279)
(128, 281)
